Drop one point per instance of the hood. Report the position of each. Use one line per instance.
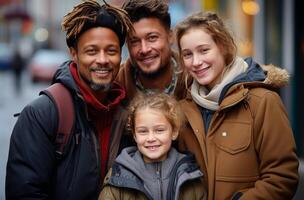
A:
(132, 159)
(173, 172)
(268, 76)
(276, 77)
(63, 75)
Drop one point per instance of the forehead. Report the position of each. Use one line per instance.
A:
(98, 36)
(194, 37)
(148, 110)
(149, 25)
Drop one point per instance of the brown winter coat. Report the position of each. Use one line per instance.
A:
(249, 148)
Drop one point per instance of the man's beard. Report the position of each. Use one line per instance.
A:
(100, 87)
(97, 86)
(152, 74)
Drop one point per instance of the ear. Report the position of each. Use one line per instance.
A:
(174, 135)
(134, 137)
(73, 53)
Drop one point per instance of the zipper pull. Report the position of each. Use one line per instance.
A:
(77, 138)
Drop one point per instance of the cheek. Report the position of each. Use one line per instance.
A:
(168, 143)
(85, 60)
(132, 50)
(116, 63)
(187, 64)
(139, 140)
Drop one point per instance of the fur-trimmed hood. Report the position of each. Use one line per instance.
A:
(275, 76)
(268, 76)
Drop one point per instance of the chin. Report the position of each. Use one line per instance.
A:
(100, 87)
(152, 73)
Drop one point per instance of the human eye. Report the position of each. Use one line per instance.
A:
(112, 51)
(91, 51)
(203, 50)
(186, 54)
(133, 41)
(142, 131)
(152, 38)
(160, 130)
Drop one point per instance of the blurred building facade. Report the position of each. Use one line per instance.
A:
(271, 31)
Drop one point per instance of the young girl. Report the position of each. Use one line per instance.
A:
(154, 169)
(237, 127)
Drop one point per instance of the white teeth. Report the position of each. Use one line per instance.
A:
(152, 147)
(102, 71)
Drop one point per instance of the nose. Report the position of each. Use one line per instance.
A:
(145, 47)
(102, 58)
(151, 137)
(197, 61)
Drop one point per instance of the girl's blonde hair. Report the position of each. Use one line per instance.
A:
(166, 104)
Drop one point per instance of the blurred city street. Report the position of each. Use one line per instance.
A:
(12, 102)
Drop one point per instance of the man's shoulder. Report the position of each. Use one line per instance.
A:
(38, 113)
(41, 102)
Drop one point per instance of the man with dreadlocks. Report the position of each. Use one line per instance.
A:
(95, 34)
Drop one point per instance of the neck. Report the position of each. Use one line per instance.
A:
(158, 82)
(100, 95)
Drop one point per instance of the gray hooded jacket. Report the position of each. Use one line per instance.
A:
(160, 180)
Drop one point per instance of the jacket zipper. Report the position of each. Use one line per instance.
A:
(171, 191)
(98, 157)
(158, 174)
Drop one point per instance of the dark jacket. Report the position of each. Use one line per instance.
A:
(177, 177)
(34, 172)
(248, 151)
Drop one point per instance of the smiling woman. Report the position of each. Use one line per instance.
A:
(236, 123)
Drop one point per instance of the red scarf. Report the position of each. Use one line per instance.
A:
(100, 114)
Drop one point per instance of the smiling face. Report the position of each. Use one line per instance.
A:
(149, 47)
(153, 134)
(97, 57)
(202, 57)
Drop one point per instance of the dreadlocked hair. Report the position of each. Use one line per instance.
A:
(87, 12)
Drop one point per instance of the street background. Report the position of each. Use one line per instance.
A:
(271, 31)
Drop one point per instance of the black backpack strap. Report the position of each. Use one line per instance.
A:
(62, 98)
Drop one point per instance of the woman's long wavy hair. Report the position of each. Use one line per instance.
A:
(212, 24)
